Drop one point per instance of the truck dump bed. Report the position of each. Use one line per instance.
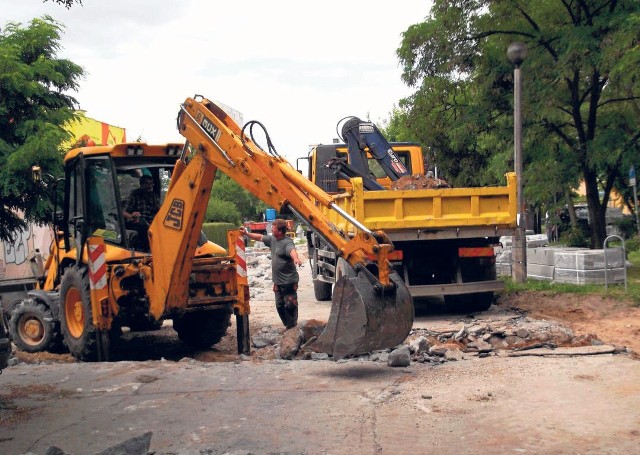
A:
(443, 212)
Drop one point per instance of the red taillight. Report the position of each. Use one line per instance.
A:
(478, 252)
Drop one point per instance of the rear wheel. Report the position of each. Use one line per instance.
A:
(76, 320)
(32, 326)
(472, 303)
(202, 329)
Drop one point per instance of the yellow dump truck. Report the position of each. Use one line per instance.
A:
(443, 238)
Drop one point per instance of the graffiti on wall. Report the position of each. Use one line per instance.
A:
(17, 250)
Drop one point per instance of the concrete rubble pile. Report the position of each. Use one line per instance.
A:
(512, 336)
(493, 333)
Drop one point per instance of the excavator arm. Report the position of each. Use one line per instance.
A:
(372, 308)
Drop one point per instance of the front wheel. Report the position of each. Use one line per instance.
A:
(322, 290)
(32, 326)
(76, 320)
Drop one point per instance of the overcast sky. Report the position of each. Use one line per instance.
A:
(296, 66)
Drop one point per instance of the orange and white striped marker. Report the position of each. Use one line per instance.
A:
(241, 258)
(97, 266)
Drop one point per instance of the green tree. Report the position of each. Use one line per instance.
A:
(222, 212)
(248, 206)
(581, 92)
(34, 106)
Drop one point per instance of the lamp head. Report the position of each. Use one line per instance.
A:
(517, 52)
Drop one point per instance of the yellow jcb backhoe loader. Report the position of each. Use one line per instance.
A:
(99, 277)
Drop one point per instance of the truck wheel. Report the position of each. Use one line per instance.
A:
(471, 303)
(202, 330)
(480, 301)
(32, 326)
(322, 290)
(76, 321)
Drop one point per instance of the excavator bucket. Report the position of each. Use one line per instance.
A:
(363, 320)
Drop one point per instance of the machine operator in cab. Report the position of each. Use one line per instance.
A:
(142, 206)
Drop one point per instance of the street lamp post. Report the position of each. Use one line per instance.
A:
(517, 52)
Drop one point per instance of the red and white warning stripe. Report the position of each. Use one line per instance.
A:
(97, 266)
(241, 258)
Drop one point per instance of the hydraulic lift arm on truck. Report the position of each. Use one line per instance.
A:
(361, 136)
(372, 308)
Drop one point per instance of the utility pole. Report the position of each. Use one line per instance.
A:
(632, 182)
(517, 52)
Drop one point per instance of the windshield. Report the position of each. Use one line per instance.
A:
(103, 216)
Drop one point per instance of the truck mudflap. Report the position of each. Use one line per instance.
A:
(364, 317)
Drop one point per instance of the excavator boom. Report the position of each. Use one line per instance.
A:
(373, 308)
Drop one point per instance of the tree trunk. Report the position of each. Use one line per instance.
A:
(596, 213)
(571, 209)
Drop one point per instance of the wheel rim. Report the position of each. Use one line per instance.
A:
(74, 312)
(31, 330)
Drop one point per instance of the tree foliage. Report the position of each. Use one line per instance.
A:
(248, 206)
(581, 93)
(220, 211)
(67, 3)
(34, 106)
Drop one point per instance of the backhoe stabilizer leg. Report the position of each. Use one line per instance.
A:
(363, 320)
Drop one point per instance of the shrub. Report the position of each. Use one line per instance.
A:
(575, 238)
(627, 226)
(217, 232)
(633, 244)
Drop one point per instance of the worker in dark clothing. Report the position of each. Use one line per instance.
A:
(142, 206)
(284, 259)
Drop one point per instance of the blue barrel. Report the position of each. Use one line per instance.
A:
(270, 214)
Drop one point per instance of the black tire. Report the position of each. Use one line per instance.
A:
(32, 326)
(322, 290)
(202, 330)
(5, 343)
(76, 320)
(470, 303)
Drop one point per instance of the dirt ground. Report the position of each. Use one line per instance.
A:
(612, 321)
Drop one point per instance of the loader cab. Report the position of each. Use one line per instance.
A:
(92, 201)
(99, 181)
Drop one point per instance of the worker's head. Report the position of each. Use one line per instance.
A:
(279, 228)
(146, 182)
